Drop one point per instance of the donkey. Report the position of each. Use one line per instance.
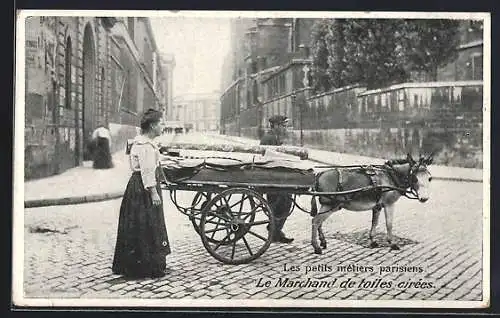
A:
(383, 185)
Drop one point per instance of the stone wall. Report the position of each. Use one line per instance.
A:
(420, 118)
(54, 91)
(61, 111)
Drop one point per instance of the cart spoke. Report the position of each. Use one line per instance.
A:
(227, 202)
(211, 218)
(257, 235)
(238, 202)
(233, 250)
(252, 211)
(241, 205)
(221, 242)
(216, 230)
(212, 222)
(247, 246)
(259, 222)
(215, 214)
(213, 233)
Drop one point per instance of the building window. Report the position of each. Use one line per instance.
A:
(254, 67)
(282, 84)
(67, 73)
(474, 31)
(475, 26)
(477, 67)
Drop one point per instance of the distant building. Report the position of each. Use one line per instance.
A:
(469, 63)
(198, 112)
(167, 65)
(266, 60)
(80, 72)
(270, 59)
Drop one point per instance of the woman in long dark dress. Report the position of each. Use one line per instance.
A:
(102, 152)
(142, 242)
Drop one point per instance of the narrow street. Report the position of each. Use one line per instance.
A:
(442, 236)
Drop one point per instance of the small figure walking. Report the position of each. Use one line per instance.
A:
(142, 243)
(101, 138)
(281, 203)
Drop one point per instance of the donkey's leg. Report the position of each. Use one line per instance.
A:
(322, 240)
(324, 212)
(389, 216)
(375, 215)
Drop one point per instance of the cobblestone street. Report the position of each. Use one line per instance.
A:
(69, 249)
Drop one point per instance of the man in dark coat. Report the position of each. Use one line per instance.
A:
(280, 203)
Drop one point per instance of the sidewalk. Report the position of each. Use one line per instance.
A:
(337, 158)
(84, 184)
(79, 185)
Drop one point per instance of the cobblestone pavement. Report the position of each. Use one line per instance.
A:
(69, 250)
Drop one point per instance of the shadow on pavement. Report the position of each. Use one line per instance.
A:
(362, 238)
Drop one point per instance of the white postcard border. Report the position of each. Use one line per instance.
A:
(18, 169)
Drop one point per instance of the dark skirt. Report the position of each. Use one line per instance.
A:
(102, 154)
(142, 242)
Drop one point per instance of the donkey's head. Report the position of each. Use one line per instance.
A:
(419, 177)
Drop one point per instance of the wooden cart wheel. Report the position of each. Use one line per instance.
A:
(200, 200)
(234, 226)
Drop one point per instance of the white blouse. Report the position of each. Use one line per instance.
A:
(101, 132)
(145, 157)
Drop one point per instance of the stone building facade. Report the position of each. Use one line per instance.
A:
(262, 52)
(82, 72)
(270, 74)
(167, 64)
(270, 58)
(197, 112)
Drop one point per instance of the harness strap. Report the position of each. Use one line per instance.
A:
(372, 174)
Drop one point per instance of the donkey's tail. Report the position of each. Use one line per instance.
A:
(314, 206)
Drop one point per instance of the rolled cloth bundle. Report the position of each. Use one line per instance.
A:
(300, 152)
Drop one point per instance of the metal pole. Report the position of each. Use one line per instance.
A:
(301, 123)
(294, 105)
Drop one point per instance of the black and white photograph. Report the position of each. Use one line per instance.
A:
(253, 159)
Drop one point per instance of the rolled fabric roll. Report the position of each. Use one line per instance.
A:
(300, 152)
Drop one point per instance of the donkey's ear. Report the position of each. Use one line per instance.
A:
(429, 159)
(409, 157)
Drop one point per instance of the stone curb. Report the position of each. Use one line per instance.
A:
(72, 200)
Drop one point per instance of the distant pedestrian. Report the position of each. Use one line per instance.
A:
(281, 203)
(142, 243)
(101, 153)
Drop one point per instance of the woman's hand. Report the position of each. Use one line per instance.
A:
(155, 197)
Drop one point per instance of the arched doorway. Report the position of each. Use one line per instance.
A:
(88, 89)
